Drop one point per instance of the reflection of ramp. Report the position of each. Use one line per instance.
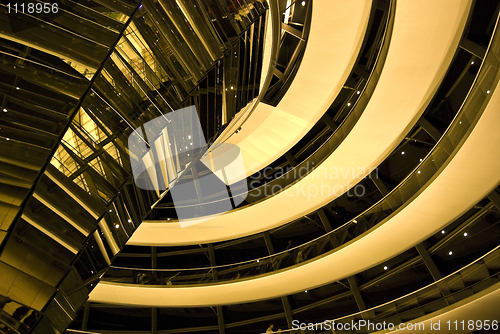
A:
(169, 147)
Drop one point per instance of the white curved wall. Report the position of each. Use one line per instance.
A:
(425, 37)
(470, 176)
(335, 38)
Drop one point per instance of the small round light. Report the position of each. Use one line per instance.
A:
(443, 232)
(4, 110)
(349, 104)
(8, 139)
(130, 220)
(472, 62)
(420, 160)
(450, 253)
(303, 4)
(403, 152)
(465, 234)
(385, 268)
(17, 88)
(305, 291)
(358, 92)
(418, 172)
(189, 137)
(110, 210)
(116, 226)
(488, 91)
(257, 261)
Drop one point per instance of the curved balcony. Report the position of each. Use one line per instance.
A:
(384, 287)
(379, 284)
(372, 128)
(433, 178)
(267, 132)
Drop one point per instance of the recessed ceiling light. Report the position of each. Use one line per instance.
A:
(4, 110)
(443, 232)
(465, 234)
(403, 152)
(116, 226)
(303, 4)
(488, 91)
(385, 267)
(130, 220)
(19, 88)
(450, 253)
(472, 62)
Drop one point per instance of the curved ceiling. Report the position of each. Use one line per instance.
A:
(469, 177)
(418, 58)
(336, 35)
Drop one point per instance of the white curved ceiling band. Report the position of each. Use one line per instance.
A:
(470, 176)
(335, 38)
(481, 306)
(424, 40)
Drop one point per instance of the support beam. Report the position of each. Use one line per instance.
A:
(359, 299)
(197, 186)
(494, 197)
(328, 227)
(429, 128)
(288, 311)
(269, 242)
(220, 320)
(213, 263)
(154, 258)
(429, 263)
(329, 122)
(379, 183)
(291, 30)
(291, 159)
(86, 313)
(473, 48)
(154, 320)
(362, 72)
(434, 270)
